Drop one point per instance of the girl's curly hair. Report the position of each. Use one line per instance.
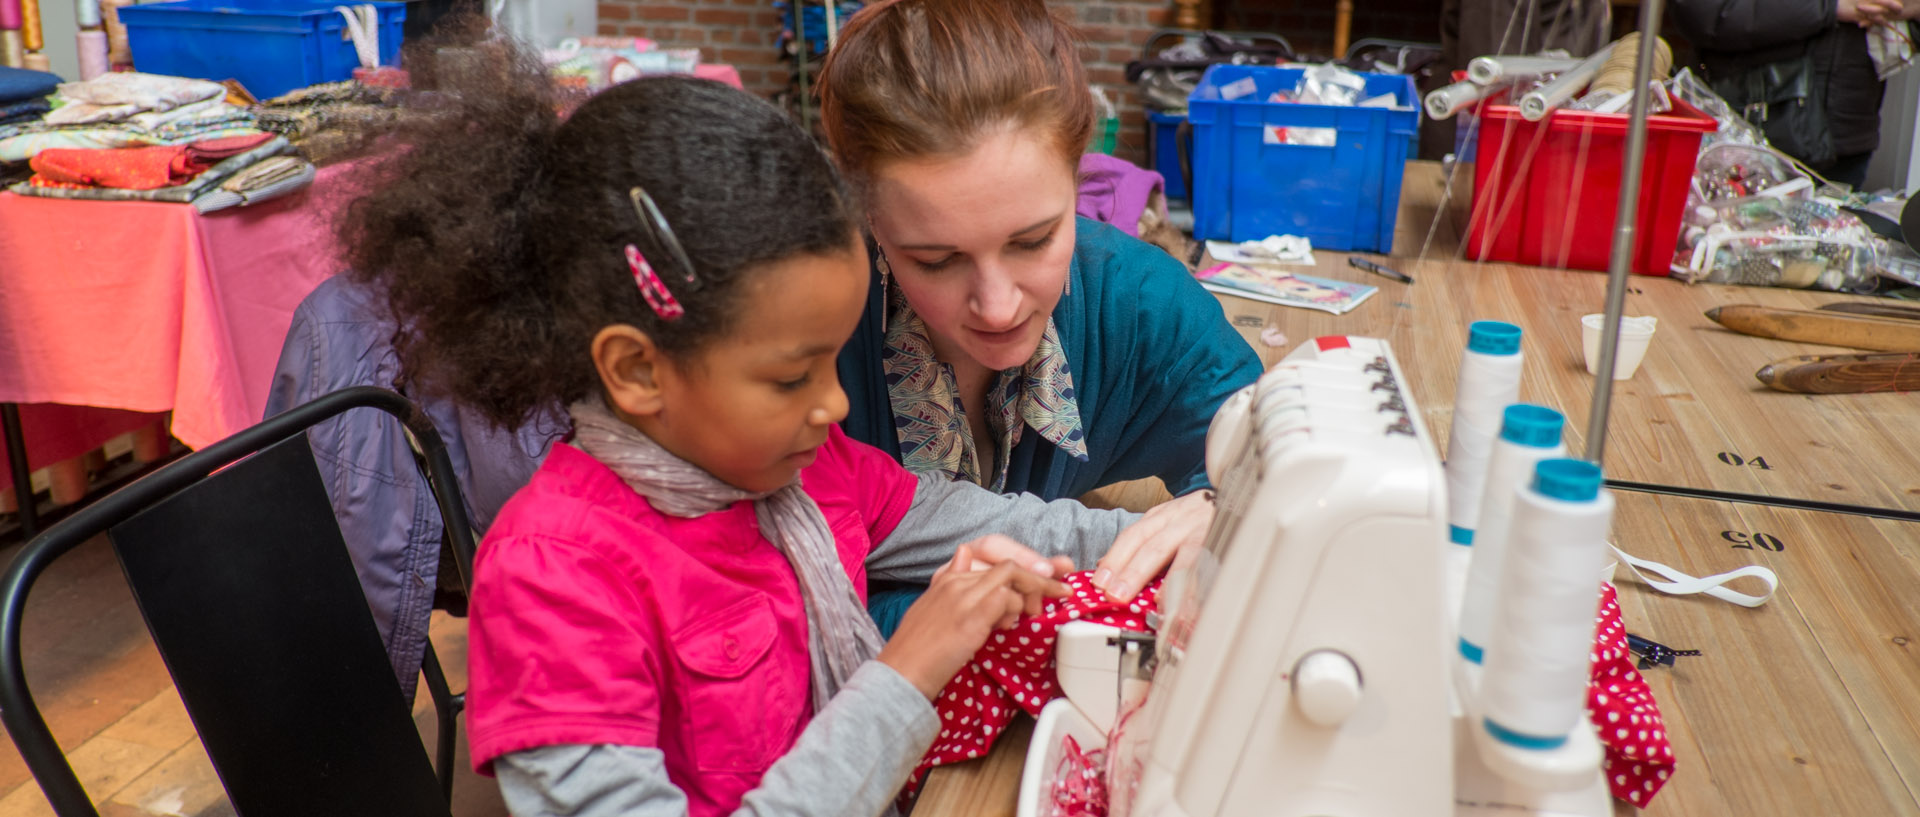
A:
(496, 228)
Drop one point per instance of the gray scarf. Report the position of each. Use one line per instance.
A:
(840, 634)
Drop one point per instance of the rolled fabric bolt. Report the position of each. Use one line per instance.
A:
(1443, 103)
(37, 62)
(30, 25)
(1489, 382)
(13, 53)
(93, 53)
(1534, 689)
(1536, 105)
(1528, 434)
(87, 13)
(10, 14)
(1488, 70)
(1616, 75)
(117, 51)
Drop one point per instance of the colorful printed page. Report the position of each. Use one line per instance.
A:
(1285, 288)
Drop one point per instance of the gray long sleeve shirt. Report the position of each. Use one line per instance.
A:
(856, 753)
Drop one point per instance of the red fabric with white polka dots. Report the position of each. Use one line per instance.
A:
(1639, 756)
(1014, 672)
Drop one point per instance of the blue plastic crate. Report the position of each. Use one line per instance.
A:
(270, 46)
(1247, 184)
(1163, 150)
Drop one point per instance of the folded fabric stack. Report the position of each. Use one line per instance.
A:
(125, 110)
(212, 174)
(23, 95)
(327, 122)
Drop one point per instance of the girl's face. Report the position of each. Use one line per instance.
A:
(980, 243)
(753, 406)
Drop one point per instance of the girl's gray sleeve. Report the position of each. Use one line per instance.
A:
(851, 760)
(946, 514)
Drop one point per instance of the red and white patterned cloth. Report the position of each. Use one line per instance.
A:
(1014, 671)
(1639, 756)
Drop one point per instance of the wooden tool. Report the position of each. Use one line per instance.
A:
(1810, 326)
(1843, 374)
(1875, 309)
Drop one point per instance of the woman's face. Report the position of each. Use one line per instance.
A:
(980, 243)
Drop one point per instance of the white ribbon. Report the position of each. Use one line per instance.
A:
(1681, 584)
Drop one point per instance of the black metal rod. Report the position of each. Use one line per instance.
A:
(22, 474)
(17, 709)
(1758, 499)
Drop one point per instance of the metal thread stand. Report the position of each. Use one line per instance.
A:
(1621, 261)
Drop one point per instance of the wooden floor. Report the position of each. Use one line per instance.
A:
(106, 696)
(1807, 705)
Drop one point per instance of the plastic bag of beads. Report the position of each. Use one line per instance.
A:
(1786, 242)
(1733, 127)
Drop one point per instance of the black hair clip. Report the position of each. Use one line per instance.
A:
(1654, 654)
(662, 233)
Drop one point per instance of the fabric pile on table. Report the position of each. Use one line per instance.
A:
(23, 95)
(146, 137)
(212, 174)
(128, 110)
(327, 122)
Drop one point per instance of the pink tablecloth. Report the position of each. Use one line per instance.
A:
(153, 307)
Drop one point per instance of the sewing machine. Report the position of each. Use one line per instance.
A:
(1301, 665)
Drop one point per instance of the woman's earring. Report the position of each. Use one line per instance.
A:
(886, 304)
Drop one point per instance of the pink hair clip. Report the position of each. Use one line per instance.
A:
(662, 301)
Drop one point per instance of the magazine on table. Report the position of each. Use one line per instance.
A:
(1285, 288)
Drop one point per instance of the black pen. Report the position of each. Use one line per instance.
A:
(1369, 266)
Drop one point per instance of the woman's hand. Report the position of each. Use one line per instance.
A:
(1868, 12)
(1169, 532)
(966, 603)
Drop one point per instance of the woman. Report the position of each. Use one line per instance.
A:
(1006, 341)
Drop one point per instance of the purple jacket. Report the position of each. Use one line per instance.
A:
(339, 338)
(1115, 191)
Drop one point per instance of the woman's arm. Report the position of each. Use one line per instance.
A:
(850, 760)
(946, 514)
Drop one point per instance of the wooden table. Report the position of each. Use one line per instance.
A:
(1807, 705)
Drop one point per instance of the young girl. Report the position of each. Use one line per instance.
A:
(669, 618)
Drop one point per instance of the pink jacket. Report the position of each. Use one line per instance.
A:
(597, 619)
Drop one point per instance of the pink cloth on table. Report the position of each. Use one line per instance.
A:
(719, 72)
(55, 433)
(151, 307)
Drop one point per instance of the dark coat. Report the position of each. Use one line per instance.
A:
(1732, 36)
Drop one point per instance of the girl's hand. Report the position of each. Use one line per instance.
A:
(1170, 532)
(994, 549)
(941, 632)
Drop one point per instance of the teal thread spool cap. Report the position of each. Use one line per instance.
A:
(1567, 480)
(1493, 338)
(1532, 426)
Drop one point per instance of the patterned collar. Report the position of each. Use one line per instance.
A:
(932, 423)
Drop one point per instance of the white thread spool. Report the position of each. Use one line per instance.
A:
(87, 13)
(1443, 103)
(1535, 106)
(1528, 434)
(1489, 382)
(1534, 691)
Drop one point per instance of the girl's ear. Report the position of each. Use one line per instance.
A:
(630, 367)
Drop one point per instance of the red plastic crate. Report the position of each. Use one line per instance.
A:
(1546, 193)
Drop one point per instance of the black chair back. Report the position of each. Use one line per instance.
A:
(237, 565)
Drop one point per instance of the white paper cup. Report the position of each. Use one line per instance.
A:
(1635, 334)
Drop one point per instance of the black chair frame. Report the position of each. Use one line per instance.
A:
(22, 717)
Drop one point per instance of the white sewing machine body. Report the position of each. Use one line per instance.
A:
(1303, 661)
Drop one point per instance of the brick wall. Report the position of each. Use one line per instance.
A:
(1308, 24)
(746, 34)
